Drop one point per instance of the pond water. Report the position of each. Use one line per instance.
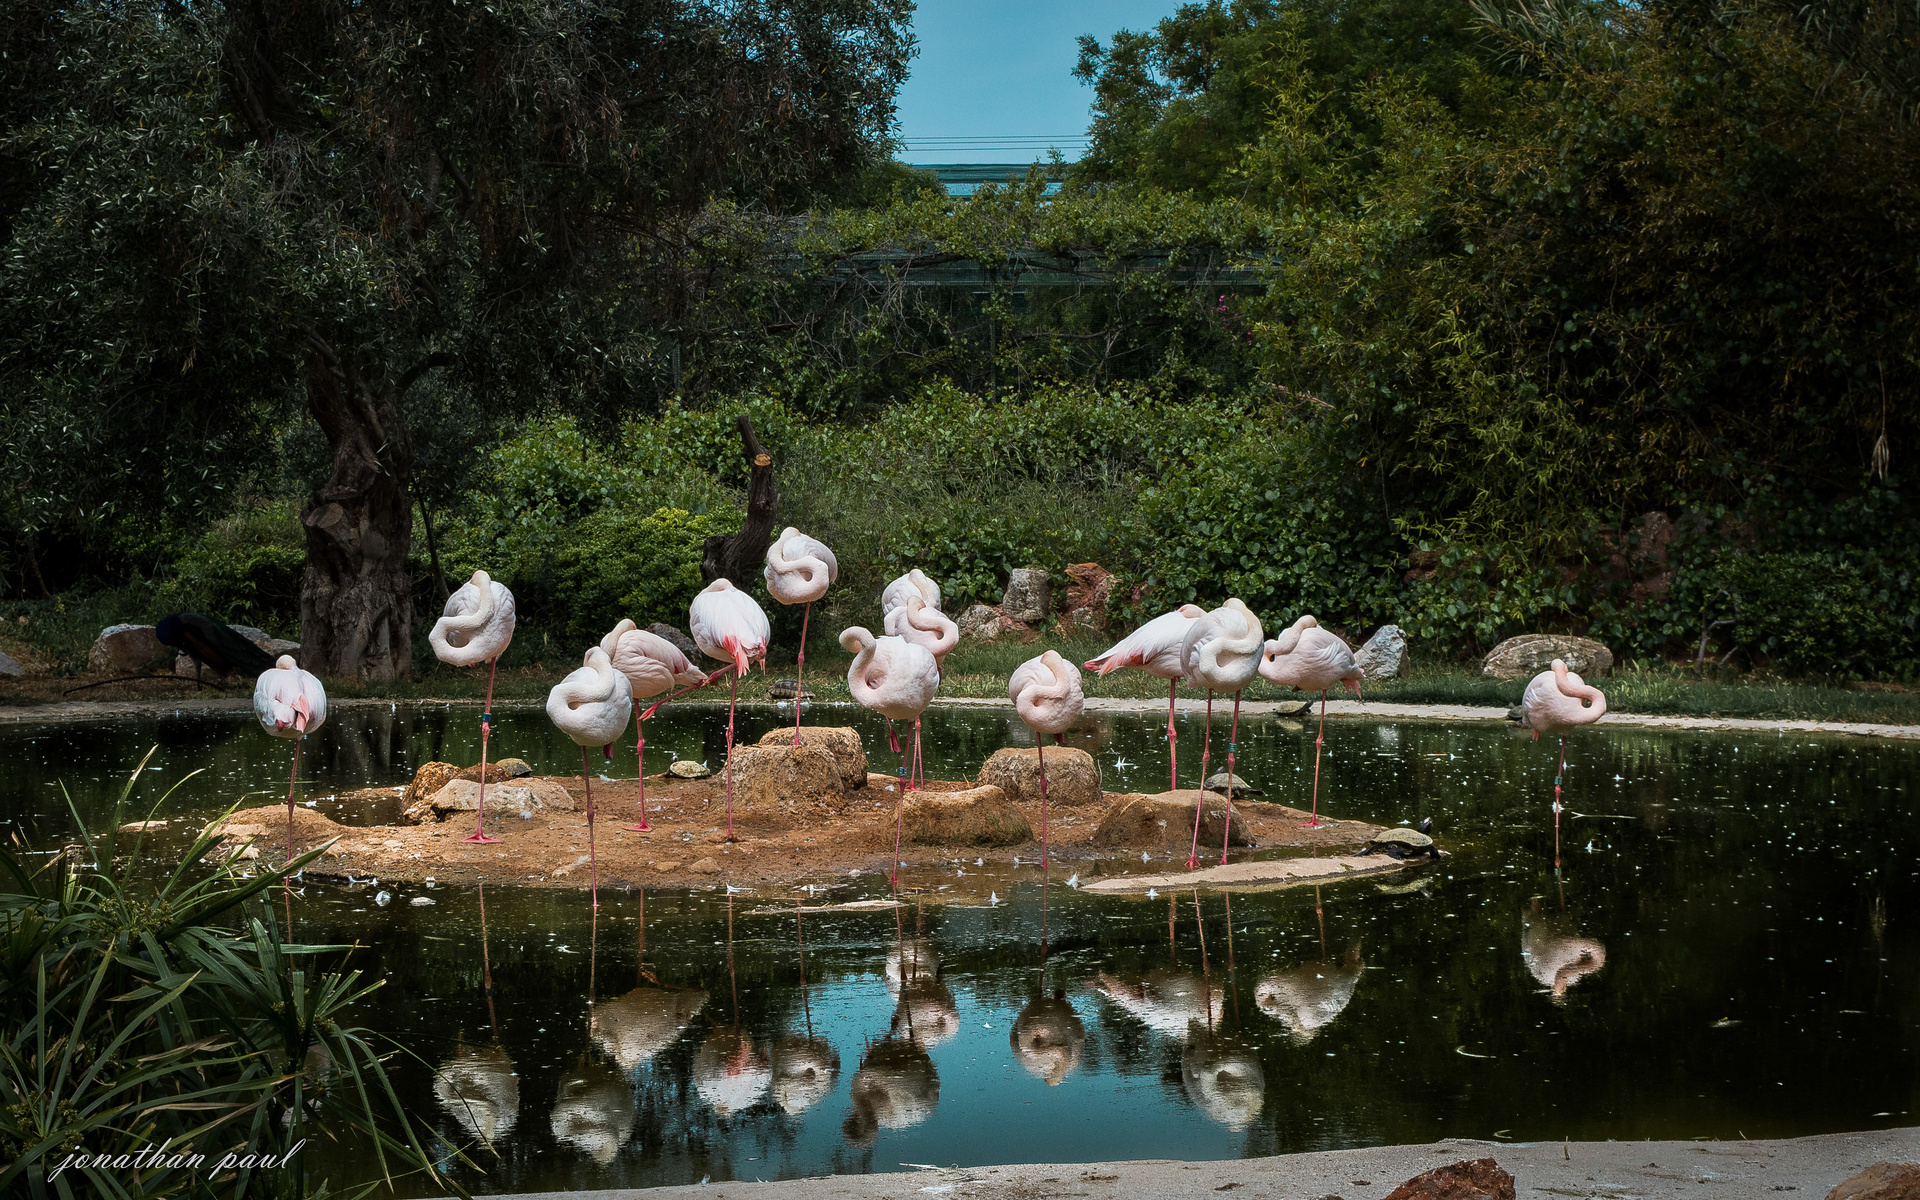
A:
(1727, 949)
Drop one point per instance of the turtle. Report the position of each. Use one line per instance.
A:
(1217, 782)
(788, 689)
(1404, 843)
(686, 769)
(514, 768)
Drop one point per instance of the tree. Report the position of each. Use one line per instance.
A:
(339, 199)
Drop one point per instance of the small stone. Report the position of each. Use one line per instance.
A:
(428, 779)
(704, 866)
(10, 668)
(1881, 1181)
(1385, 654)
(1073, 779)
(1139, 822)
(838, 740)
(668, 866)
(688, 769)
(124, 650)
(1480, 1179)
(680, 640)
(1531, 653)
(981, 816)
(421, 901)
(1029, 595)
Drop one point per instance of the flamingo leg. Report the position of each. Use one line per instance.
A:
(733, 691)
(486, 727)
(1200, 793)
(1558, 772)
(1232, 738)
(640, 752)
(919, 762)
(1313, 820)
(593, 861)
(800, 671)
(1173, 739)
(1040, 744)
(290, 786)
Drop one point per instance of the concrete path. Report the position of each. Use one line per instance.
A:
(1802, 1168)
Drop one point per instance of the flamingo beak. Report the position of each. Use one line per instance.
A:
(302, 714)
(1353, 685)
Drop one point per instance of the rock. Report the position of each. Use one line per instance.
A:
(279, 646)
(669, 865)
(687, 769)
(1480, 1179)
(1385, 654)
(421, 901)
(186, 667)
(981, 816)
(1029, 595)
(1881, 1181)
(257, 636)
(429, 778)
(124, 650)
(785, 777)
(1141, 822)
(9, 667)
(679, 639)
(841, 742)
(985, 623)
(1072, 777)
(1089, 590)
(512, 799)
(142, 826)
(704, 866)
(1531, 653)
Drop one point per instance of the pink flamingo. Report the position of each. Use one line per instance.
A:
(1046, 693)
(914, 582)
(727, 624)
(290, 704)
(1222, 654)
(1310, 659)
(476, 626)
(1156, 649)
(1555, 701)
(799, 570)
(652, 665)
(591, 706)
(922, 624)
(896, 679)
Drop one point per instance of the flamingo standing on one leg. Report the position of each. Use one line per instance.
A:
(1311, 659)
(799, 570)
(475, 628)
(1046, 693)
(913, 583)
(591, 706)
(1555, 701)
(896, 679)
(1156, 649)
(727, 624)
(652, 665)
(924, 625)
(1222, 654)
(290, 704)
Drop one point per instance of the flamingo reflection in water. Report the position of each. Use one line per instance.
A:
(478, 1086)
(1555, 955)
(730, 1072)
(1307, 998)
(1166, 1000)
(1048, 1037)
(1222, 1075)
(896, 1087)
(594, 1111)
(804, 1068)
(925, 1011)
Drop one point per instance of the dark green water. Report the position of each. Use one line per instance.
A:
(1728, 949)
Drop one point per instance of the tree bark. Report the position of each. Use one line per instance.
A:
(356, 605)
(741, 556)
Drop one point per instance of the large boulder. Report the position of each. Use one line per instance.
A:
(980, 816)
(428, 778)
(1881, 1181)
(506, 798)
(841, 742)
(1089, 590)
(1531, 653)
(1139, 822)
(1385, 654)
(1072, 777)
(124, 650)
(783, 778)
(1029, 595)
(1478, 1179)
(661, 629)
(9, 667)
(985, 623)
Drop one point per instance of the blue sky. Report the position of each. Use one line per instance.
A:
(1002, 69)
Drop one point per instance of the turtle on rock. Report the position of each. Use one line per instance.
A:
(1218, 781)
(1404, 843)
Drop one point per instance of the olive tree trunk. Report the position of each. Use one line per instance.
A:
(741, 556)
(356, 605)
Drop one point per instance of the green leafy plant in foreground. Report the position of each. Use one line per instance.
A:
(133, 1022)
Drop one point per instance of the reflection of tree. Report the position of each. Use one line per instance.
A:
(594, 1112)
(1048, 1038)
(1556, 956)
(730, 1072)
(480, 1091)
(896, 1087)
(1307, 998)
(804, 1070)
(1222, 1075)
(1166, 999)
(635, 1027)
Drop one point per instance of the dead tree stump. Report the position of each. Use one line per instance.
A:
(739, 557)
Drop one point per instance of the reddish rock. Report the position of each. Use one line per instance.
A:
(1479, 1179)
(1881, 1181)
(1089, 591)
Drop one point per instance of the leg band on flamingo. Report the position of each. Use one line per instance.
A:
(1200, 794)
(486, 727)
(640, 753)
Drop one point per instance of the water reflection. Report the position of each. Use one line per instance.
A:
(730, 1072)
(594, 1112)
(896, 1087)
(1556, 955)
(1166, 1000)
(478, 1088)
(804, 1072)
(1048, 1038)
(1222, 1075)
(1307, 998)
(635, 1027)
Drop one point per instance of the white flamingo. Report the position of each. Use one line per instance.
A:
(476, 627)
(799, 570)
(924, 625)
(1156, 649)
(727, 624)
(1222, 654)
(1046, 693)
(653, 666)
(1311, 659)
(897, 679)
(913, 583)
(591, 706)
(290, 704)
(1555, 701)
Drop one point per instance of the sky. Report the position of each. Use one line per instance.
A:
(999, 74)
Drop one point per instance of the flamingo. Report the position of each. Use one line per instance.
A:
(1311, 659)
(800, 569)
(914, 582)
(1046, 693)
(897, 679)
(290, 704)
(1221, 654)
(591, 706)
(475, 628)
(1555, 701)
(924, 625)
(1156, 649)
(652, 665)
(727, 624)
